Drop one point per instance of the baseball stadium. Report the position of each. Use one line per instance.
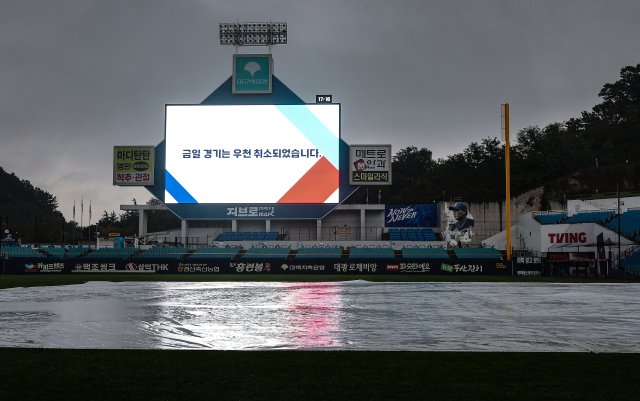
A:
(273, 259)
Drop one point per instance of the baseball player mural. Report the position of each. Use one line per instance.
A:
(459, 225)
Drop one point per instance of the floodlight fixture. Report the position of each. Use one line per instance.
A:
(253, 33)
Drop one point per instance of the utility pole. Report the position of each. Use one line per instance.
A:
(505, 137)
(619, 247)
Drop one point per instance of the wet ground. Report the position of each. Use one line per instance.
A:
(356, 315)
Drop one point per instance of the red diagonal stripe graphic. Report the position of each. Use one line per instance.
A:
(315, 186)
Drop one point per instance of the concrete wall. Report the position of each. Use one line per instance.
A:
(296, 230)
(529, 234)
(491, 217)
(252, 225)
(576, 205)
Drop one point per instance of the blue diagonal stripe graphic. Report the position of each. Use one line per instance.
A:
(315, 131)
(176, 190)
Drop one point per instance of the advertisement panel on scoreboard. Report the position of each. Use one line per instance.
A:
(133, 165)
(252, 154)
(370, 164)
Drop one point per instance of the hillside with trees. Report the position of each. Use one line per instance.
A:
(593, 143)
(31, 212)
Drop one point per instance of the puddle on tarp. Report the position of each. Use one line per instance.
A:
(356, 315)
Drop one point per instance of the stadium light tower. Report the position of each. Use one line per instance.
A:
(253, 34)
(505, 137)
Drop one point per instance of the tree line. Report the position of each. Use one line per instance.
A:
(33, 214)
(603, 137)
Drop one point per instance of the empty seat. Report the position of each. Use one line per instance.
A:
(409, 253)
(215, 253)
(477, 253)
(371, 253)
(267, 253)
(319, 253)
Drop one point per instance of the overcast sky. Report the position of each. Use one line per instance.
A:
(78, 77)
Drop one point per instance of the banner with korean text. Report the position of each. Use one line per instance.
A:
(133, 165)
(260, 266)
(370, 164)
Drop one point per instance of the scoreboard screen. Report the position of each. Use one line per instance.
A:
(252, 154)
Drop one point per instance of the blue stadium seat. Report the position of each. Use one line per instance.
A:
(477, 253)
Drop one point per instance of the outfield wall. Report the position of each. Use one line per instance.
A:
(267, 266)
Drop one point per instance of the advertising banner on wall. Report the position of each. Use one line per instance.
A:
(261, 267)
(9, 238)
(566, 237)
(370, 164)
(460, 224)
(252, 73)
(133, 165)
(250, 155)
(425, 215)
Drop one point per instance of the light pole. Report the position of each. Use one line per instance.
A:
(619, 247)
(505, 137)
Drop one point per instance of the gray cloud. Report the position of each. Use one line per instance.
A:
(79, 77)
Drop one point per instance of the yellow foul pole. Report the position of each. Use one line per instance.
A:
(505, 127)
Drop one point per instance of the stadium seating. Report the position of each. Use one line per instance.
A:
(411, 234)
(112, 253)
(629, 223)
(76, 252)
(215, 253)
(319, 253)
(632, 262)
(21, 252)
(59, 253)
(477, 253)
(424, 253)
(267, 253)
(371, 253)
(589, 217)
(163, 252)
(550, 218)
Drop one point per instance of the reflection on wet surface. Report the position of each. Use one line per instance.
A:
(355, 315)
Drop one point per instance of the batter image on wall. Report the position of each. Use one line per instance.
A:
(459, 225)
(252, 154)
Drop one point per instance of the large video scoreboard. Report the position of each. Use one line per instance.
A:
(252, 154)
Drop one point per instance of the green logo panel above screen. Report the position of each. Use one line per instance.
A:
(252, 73)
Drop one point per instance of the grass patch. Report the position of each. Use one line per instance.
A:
(50, 374)
(60, 374)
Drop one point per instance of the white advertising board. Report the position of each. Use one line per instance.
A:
(566, 237)
(252, 153)
(370, 164)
